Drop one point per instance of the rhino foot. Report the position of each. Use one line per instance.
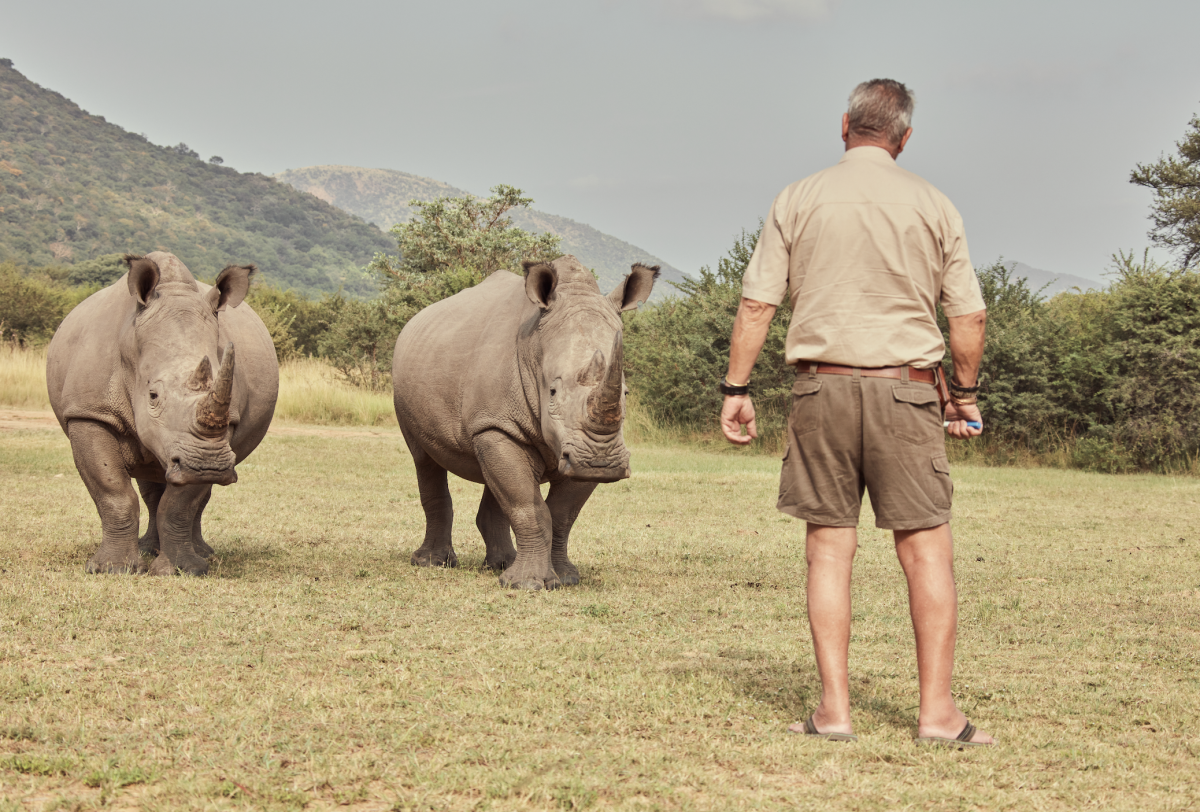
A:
(148, 545)
(202, 549)
(567, 573)
(500, 561)
(425, 557)
(109, 564)
(529, 578)
(187, 565)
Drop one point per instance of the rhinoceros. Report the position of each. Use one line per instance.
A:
(132, 382)
(514, 383)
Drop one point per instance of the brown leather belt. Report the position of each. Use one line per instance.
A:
(914, 374)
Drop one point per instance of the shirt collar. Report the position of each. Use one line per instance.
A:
(867, 153)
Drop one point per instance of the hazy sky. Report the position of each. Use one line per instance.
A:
(668, 123)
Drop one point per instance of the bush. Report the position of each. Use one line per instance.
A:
(678, 350)
(30, 309)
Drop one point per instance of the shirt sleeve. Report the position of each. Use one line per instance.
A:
(960, 286)
(766, 277)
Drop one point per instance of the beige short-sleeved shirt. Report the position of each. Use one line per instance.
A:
(867, 251)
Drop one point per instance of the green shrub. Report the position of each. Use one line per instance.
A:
(30, 309)
(678, 350)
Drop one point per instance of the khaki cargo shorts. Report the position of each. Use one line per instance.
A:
(847, 433)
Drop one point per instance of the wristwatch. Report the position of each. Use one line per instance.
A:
(728, 388)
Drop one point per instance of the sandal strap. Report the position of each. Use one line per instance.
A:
(810, 728)
(967, 734)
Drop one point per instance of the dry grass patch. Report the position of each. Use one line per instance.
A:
(316, 668)
(23, 377)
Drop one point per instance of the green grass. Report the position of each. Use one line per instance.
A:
(316, 668)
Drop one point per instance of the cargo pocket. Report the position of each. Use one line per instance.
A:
(915, 416)
(806, 407)
(943, 490)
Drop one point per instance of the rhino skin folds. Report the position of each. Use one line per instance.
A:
(168, 381)
(514, 383)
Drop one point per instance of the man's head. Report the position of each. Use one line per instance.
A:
(880, 114)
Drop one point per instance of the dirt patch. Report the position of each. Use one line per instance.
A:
(26, 419)
(34, 419)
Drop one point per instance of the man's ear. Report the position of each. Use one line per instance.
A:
(143, 277)
(635, 288)
(231, 286)
(540, 282)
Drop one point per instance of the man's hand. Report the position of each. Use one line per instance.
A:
(738, 411)
(958, 417)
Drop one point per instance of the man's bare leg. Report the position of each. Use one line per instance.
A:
(830, 553)
(927, 557)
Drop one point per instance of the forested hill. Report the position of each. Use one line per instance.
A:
(381, 196)
(74, 187)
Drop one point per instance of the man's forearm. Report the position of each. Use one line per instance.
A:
(966, 346)
(749, 334)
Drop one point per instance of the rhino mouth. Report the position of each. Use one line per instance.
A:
(214, 467)
(594, 462)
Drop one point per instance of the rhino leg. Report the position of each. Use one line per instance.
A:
(176, 516)
(437, 549)
(151, 494)
(198, 543)
(493, 526)
(565, 500)
(510, 476)
(98, 458)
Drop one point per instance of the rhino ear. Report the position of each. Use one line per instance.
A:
(231, 286)
(635, 288)
(540, 282)
(143, 277)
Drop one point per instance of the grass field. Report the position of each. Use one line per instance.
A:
(316, 668)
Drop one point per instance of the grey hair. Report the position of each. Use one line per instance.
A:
(881, 109)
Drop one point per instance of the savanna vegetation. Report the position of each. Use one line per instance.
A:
(1105, 380)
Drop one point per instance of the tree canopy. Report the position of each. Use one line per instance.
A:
(1176, 208)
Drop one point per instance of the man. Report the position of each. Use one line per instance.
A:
(866, 251)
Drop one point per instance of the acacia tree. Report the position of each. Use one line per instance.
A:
(464, 234)
(1176, 208)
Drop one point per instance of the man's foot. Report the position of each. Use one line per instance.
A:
(965, 736)
(831, 731)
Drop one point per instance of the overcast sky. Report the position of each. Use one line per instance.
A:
(668, 123)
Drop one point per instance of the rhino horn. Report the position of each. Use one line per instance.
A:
(593, 373)
(604, 404)
(212, 412)
(201, 379)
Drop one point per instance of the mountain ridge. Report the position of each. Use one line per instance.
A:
(381, 196)
(75, 187)
(1048, 283)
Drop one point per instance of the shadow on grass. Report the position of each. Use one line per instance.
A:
(239, 559)
(794, 689)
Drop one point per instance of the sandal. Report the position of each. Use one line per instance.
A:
(963, 740)
(811, 730)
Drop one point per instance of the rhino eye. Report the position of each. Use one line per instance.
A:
(153, 396)
(553, 392)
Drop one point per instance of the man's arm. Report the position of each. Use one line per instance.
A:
(749, 333)
(966, 353)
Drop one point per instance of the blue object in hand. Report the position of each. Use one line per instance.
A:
(970, 424)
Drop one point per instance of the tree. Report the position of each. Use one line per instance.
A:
(1176, 208)
(216, 160)
(463, 234)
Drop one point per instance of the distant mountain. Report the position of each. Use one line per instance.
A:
(1052, 282)
(74, 187)
(381, 196)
